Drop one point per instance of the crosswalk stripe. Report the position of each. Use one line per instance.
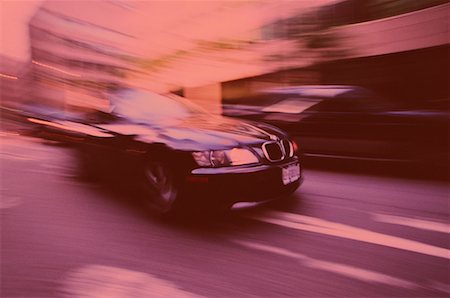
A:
(337, 268)
(317, 225)
(94, 281)
(412, 222)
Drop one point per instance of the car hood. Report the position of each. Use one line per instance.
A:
(198, 133)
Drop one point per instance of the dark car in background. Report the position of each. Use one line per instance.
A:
(180, 155)
(351, 122)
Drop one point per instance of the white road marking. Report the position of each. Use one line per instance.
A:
(9, 202)
(412, 222)
(95, 281)
(321, 226)
(441, 287)
(337, 268)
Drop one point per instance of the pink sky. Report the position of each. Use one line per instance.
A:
(14, 16)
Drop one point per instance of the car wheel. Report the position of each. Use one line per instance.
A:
(161, 184)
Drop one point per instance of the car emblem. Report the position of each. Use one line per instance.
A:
(274, 138)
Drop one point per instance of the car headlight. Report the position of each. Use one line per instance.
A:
(220, 158)
(239, 156)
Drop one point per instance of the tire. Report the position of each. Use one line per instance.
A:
(161, 187)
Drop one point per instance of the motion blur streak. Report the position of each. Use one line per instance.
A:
(8, 76)
(348, 271)
(71, 126)
(55, 68)
(316, 225)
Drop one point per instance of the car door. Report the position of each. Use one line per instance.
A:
(349, 126)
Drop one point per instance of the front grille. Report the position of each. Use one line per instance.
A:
(287, 148)
(277, 150)
(273, 151)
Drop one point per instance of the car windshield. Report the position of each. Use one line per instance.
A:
(292, 105)
(332, 98)
(148, 107)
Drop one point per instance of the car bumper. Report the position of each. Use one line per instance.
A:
(227, 186)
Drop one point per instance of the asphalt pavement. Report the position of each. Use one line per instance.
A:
(342, 234)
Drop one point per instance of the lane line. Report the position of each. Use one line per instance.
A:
(317, 225)
(412, 222)
(441, 287)
(336, 268)
(9, 202)
(95, 281)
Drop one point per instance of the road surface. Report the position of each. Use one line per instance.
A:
(343, 235)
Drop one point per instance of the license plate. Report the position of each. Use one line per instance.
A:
(290, 173)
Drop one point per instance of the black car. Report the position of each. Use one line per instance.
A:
(351, 122)
(181, 155)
